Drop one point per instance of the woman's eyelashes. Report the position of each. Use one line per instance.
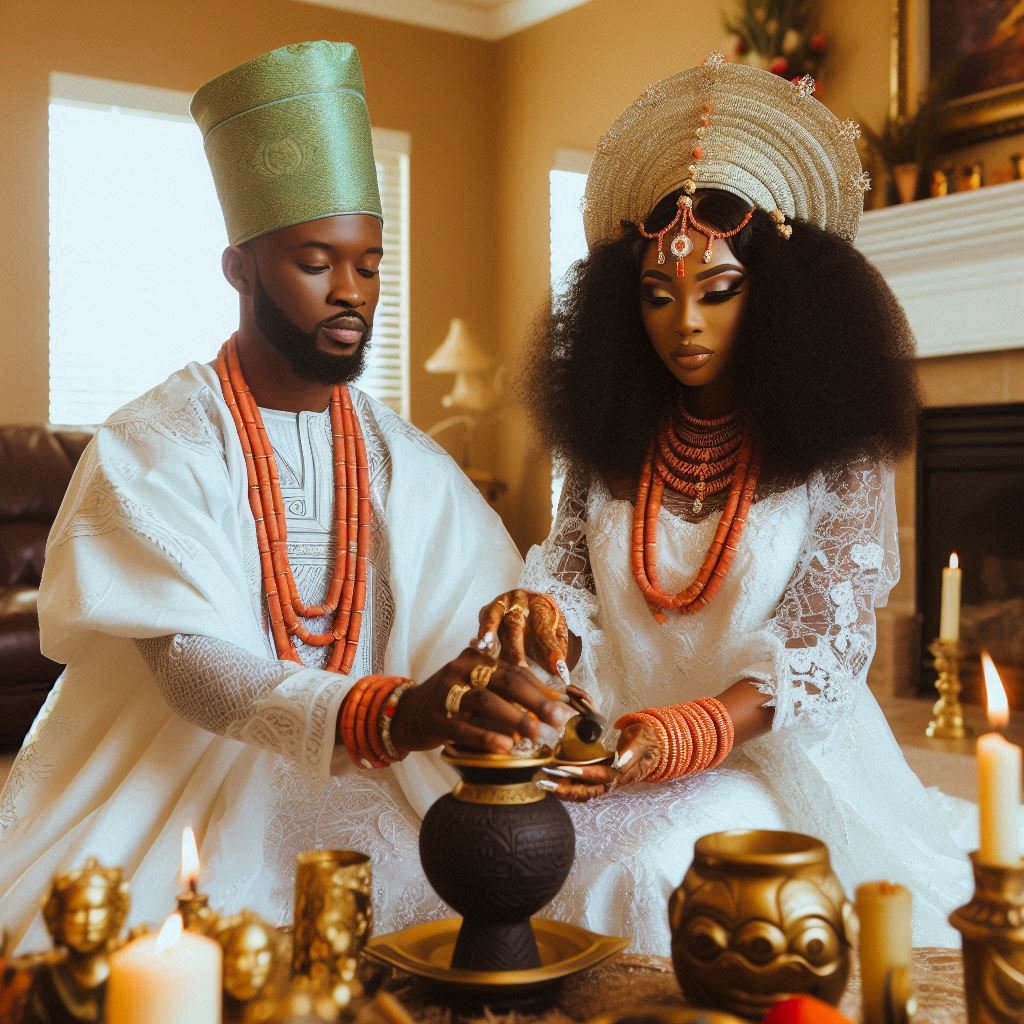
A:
(659, 298)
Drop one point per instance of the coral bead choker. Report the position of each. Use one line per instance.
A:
(693, 457)
(346, 595)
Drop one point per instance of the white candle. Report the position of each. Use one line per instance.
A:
(949, 608)
(999, 778)
(883, 910)
(168, 978)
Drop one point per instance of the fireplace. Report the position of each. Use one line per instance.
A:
(970, 499)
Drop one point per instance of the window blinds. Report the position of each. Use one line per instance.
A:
(136, 235)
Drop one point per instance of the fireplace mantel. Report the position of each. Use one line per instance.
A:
(956, 263)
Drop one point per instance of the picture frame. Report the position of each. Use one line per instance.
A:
(985, 40)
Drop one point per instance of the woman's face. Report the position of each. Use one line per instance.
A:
(692, 320)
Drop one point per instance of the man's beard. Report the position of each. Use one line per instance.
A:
(300, 348)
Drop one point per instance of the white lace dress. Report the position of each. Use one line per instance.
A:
(796, 616)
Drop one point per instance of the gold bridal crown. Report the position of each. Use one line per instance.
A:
(731, 127)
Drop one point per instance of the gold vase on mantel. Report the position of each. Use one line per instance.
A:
(992, 926)
(905, 177)
(760, 917)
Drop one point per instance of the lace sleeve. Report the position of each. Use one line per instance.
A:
(813, 655)
(276, 705)
(560, 566)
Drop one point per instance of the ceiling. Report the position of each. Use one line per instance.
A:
(483, 19)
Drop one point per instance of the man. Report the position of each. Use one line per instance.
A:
(199, 515)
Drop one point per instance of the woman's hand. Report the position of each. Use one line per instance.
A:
(498, 702)
(526, 625)
(636, 757)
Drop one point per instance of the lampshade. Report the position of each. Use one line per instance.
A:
(472, 392)
(458, 353)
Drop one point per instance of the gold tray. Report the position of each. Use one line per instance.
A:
(426, 951)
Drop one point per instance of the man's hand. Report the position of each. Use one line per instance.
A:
(635, 758)
(526, 625)
(488, 717)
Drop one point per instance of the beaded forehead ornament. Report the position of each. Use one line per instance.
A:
(731, 127)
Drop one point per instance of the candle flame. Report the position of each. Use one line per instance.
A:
(189, 859)
(954, 561)
(995, 695)
(170, 934)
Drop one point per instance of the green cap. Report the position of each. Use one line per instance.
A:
(288, 139)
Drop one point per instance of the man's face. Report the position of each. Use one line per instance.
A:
(316, 291)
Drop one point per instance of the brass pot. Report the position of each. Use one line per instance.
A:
(759, 918)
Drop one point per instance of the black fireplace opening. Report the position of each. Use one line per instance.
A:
(970, 499)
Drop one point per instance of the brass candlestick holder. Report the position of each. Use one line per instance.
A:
(196, 914)
(992, 926)
(947, 713)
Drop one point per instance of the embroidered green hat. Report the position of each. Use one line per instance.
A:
(288, 139)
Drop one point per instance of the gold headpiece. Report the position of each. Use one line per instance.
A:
(731, 127)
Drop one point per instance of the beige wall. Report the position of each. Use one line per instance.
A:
(561, 84)
(434, 85)
(485, 121)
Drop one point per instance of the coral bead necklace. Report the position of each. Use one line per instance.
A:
(346, 595)
(696, 458)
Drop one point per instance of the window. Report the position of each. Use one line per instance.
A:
(567, 181)
(136, 236)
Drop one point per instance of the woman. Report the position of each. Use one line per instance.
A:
(728, 383)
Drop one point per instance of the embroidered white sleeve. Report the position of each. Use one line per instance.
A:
(813, 655)
(560, 566)
(279, 706)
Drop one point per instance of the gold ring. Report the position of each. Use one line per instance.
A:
(480, 677)
(521, 613)
(453, 701)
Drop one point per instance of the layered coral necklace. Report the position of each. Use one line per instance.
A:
(346, 595)
(697, 458)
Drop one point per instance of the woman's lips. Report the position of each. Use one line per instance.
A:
(691, 357)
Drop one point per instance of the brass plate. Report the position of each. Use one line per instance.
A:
(426, 951)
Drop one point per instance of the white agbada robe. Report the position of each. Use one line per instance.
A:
(155, 538)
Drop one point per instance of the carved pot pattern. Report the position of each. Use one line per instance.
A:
(760, 917)
(496, 849)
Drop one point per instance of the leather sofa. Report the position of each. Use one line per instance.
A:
(36, 464)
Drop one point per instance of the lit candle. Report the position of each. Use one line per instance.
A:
(165, 979)
(189, 861)
(192, 904)
(884, 912)
(949, 608)
(999, 778)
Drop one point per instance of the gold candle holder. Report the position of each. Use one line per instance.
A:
(333, 915)
(992, 926)
(196, 914)
(947, 713)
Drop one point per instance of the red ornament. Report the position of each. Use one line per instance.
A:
(739, 45)
(804, 1010)
(779, 66)
(817, 43)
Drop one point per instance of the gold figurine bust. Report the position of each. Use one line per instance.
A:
(760, 917)
(84, 914)
(255, 961)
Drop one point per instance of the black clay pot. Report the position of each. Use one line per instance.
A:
(496, 849)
